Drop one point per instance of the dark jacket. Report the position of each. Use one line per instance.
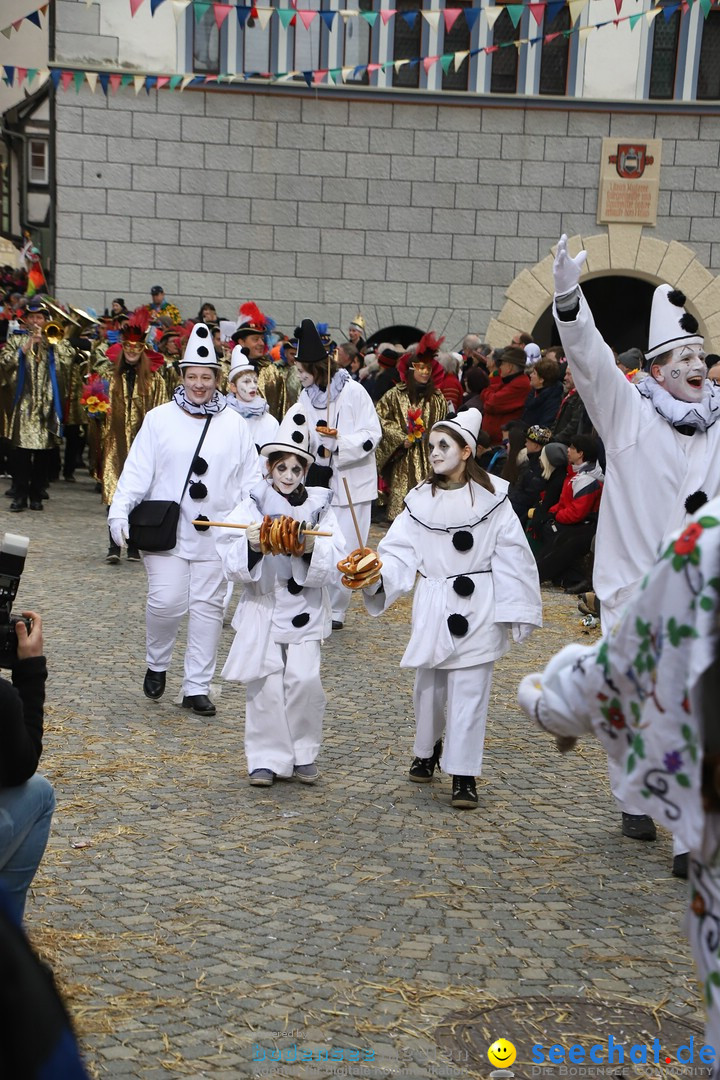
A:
(384, 381)
(21, 726)
(526, 492)
(542, 405)
(551, 495)
(571, 419)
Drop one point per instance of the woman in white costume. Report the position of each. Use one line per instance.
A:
(346, 446)
(477, 580)
(283, 613)
(188, 578)
(245, 398)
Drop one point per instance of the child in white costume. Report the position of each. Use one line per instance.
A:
(283, 613)
(478, 578)
(245, 398)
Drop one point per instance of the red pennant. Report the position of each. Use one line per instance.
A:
(538, 11)
(495, 48)
(428, 62)
(221, 12)
(450, 15)
(306, 17)
(66, 78)
(134, 5)
(253, 12)
(163, 80)
(16, 25)
(115, 81)
(618, 5)
(551, 37)
(21, 75)
(373, 67)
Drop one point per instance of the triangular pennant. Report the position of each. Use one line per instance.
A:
(492, 14)
(432, 18)
(126, 80)
(175, 82)
(409, 17)
(186, 80)
(386, 15)
(428, 61)
(199, 10)
(154, 5)
(445, 61)
(17, 24)
(334, 74)
(34, 17)
(6, 32)
(179, 8)
(66, 79)
(134, 5)
(104, 79)
(372, 68)
(55, 77)
(221, 12)
(575, 7)
(163, 80)
(515, 12)
(554, 7)
(345, 73)
(139, 81)
(538, 12)
(308, 77)
(653, 13)
(263, 16)
(21, 75)
(92, 79)
(286, 16)
(460, 58)
(306, 18)
(451, 16)
(634, 19)
(618, 6)
(347, 13)
(243, 14)
(115, 81)
(369, 17)
(705, 5)
(8, 75)
(471, 17)
(32, 72)
(150, 81)
(491, 49)
(358, 71)
(397, 64)
(328, 17)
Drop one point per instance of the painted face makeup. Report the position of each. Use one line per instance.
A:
(306, 378)
(445, 454)
(421, 372)
(684, 374)
(246, 387)
(287, 474)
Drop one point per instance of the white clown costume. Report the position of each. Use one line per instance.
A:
(255, 411)
(282, 617)
(478, 578)
(648, 692)
(189, 577)
(351, 455)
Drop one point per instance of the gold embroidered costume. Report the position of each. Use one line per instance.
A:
(34, 423)
(126, 416)
(402, 468)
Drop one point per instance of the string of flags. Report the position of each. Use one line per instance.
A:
(33, 17)
(111, 82)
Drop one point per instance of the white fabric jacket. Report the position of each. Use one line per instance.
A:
(158, 463)
(284, 599)
(353, 414)
(650, 470)
(496, 567)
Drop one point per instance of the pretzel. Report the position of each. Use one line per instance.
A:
(360, 569)
(265, 535)
(282, 536)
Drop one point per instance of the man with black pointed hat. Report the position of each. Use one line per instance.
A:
(662, 444)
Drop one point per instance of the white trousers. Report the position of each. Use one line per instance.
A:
(340, 597)
(178, 587)
(455, 702)
(284, 712)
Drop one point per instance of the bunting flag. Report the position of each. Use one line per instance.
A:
(32, 17)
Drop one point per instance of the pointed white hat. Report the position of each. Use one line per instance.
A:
(670, 324)
(292, 437)
(466, 424)
(239, 364)
(200, 351)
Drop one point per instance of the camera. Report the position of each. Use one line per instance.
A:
(13, 549)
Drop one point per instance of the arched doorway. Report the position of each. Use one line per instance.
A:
(620, 307)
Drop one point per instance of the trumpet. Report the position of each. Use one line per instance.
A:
(53, 333)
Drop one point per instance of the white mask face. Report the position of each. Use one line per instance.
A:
(246, 387)
(445, 454)
(684, 374)
(305, 377)
(287, 474)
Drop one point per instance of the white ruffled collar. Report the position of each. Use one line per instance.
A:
(700, 415)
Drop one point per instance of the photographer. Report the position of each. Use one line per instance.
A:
(27, 799)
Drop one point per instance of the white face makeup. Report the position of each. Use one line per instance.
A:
(684, 374)
(446, 457)
(246, 386)
(287, 474)
(306, 378)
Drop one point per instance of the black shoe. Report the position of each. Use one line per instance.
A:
(200, 704)
(423, 768)
(638, 827)
(35, 504)
(681, 865)
(464, 793)
(44, 494)
(154, 684)
(337, 625)
(133, 554)
(113, 556)
(11, 492)
(69, 479)
(17, 505)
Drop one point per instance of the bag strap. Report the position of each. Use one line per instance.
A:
(197, 451)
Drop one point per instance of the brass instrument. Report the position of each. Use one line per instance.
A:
(83, 319)
(53, 333)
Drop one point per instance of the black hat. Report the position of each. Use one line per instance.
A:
(310, 347)
(156, 289)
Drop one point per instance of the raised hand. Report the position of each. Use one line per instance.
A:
(566, 268)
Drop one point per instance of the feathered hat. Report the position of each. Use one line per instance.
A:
(428, 347)
(252, 321)
(323, 330)
(292, 437)
(136, 327)
(199, 351)
(670, 324)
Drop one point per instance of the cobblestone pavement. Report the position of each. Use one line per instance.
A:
(191, 918)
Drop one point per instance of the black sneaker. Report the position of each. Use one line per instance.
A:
(423, 768)
(464, 793)
(113, 556)
(639, 827)
(681, 866)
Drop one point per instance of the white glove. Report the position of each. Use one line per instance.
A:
(119, 530)
(309, 544)
(521, 632)
(566, 269)
(252, 534)
(329, 444)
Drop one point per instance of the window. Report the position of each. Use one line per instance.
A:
(664, 55)
(407, 43)
(503, 77)
(457, 40)
(37, 161)
(257, 45)
(206, 44)
(307, 42)
(358, 44)
(555, 54)
(708, 86)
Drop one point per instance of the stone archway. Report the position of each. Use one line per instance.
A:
(622, 250)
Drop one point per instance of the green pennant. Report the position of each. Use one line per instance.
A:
(175, 82)
(286, 16)
(200, 7)
(334, 74)
(369, 16)
(126, 80)
(705, 5)
(634, 19)
(78, 79)
(32, 72)
(515, 12)
(445, 61)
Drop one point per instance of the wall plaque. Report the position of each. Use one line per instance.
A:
(629, 181)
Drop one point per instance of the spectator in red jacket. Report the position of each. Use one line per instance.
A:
(451, 387)
(505, 397)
